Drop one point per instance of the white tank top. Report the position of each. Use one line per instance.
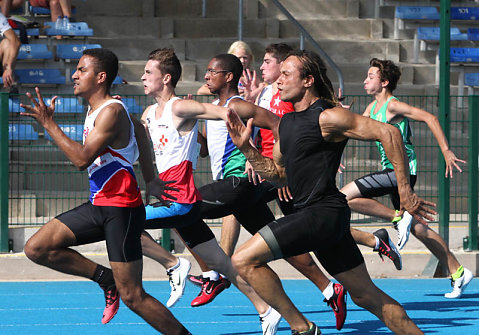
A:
(175, 155)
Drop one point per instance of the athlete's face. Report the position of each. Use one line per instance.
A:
(153, 80)
(373, 83)
(243, 56)
(270, 69)
(290, 84)
(85, 78)
(215, 76)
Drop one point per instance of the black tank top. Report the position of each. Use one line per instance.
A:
(311, 162)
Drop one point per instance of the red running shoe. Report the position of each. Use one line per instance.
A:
(196, 280)
(338, 304)
(112, 299)
(209, 290)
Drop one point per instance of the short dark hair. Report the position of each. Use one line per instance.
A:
(106, 61)
(279, 51)
(168, 63)
(313, 65)
(388, 70)
(232, 64)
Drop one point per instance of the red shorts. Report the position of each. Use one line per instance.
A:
(40, 3)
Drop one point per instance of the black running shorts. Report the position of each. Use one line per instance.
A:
(237, 196)
(381, 183)
(192, 229)
(322, 228)
(120, 227)
(271, 193)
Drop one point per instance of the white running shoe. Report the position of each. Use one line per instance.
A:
(177, 278)
(270, 322)
(459, 285)
(403, 227)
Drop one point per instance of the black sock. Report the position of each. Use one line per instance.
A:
(104, 277)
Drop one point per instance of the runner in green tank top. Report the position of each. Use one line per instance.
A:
(380, 83)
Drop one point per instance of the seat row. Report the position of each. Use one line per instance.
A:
(63, 51)
(71, 105)
(429, 13)
(26, 132)
(424, 35)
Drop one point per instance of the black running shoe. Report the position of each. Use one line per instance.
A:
(387, 248)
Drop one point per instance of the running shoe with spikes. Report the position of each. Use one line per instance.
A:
(314, 330)
(270, 322)
(112, 303)
(338, 304)
(177, 279)
(459, 285)
(196, 280)
(403, 226)
(387, 248)
(209, 290)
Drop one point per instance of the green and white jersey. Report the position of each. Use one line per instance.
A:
(406, 133)
(226, 159)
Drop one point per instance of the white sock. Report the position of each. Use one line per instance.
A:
(265, 313)
(328, 291)
(211, 275)
(377, 243)
(174, 267)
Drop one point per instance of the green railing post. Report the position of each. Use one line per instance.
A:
(4, 157)
(472, 199)
(166, 239)
(444, 109)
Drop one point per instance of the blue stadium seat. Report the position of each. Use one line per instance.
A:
(118, 80)
(40, 76)
(132, 105)
(433, 34)
(21, 132)
(31, 32)
(417, 13)
(79, 29)
(473, 34)
(74, 131)
(34, 51)
(466, 55)
(44, 11)
(471, 79)
(73, 51)
(464, 13)
(14, 105)
(66, 105)
(39, 10)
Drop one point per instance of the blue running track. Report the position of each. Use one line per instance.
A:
(37, 308)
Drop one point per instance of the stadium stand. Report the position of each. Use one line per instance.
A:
(473, 34)
(78, 29)
(471, 80)
(425, 34)
(21, 132)
(66, 105)
(34, 51)
(74, 131)
(68, 52)
(132, 106)
(39, 76)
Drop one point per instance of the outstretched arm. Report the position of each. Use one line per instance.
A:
(266, 167)
(338, 123)
(417, 114)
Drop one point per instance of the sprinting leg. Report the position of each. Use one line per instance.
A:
(365, 294)
(251, 262)
(128, 281)
(230, 230)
